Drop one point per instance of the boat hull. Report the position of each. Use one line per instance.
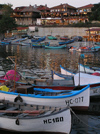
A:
(73, 99)
(52, 123)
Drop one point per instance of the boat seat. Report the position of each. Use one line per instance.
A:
(22, 115)
(11, 109)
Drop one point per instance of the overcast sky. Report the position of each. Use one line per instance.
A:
(50, 3)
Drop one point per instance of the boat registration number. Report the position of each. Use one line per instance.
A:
(72, 101)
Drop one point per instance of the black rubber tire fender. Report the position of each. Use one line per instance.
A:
(18, 98)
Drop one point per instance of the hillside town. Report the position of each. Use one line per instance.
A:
(62, 14)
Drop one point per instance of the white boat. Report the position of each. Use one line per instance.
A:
(75, 99)
(82, 68)
(25, 44)
(87, 69)
(57, 76)
(66, 71)
(18, 117)
(85, 79)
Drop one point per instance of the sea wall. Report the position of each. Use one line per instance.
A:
(70, 31)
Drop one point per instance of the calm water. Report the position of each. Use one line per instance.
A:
(40, 62)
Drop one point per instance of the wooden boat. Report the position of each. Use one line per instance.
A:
(64, 38)
(57, 76)
(66, 42)
(75, 99)
(5, 42)
(87, 49)
(66, 71)
(97, 43)
(38, 39)
(25, 44)
(82, 68)
(52, 38)
(55, 47)
(21, 117)
(40, 45)
(87, 69)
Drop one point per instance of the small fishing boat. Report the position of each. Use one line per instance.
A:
(66, 42)
(88, 69)
(57, 76)
(38, 39)
(64, 38)
(40, 45)
(87, 49)
(82, 68)
(97, 43)
(24, 44)
(55, 47)
(5, 42)
(22, 117)
(66, 71)
(52, 38)
(26, 93)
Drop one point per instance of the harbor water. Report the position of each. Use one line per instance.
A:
(38, 62)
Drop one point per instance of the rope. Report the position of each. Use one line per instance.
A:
(82, 121)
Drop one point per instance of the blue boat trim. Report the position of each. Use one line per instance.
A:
(64, 76)
(73, 93)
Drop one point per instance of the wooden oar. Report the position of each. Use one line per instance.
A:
(26, 111)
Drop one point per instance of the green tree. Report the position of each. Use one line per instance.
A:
(7, 23)
(95, 15)
(7, 9)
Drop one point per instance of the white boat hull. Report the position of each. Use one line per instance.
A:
(60, 122)
(87, 79)
(87, 69)
(76, 100)
(66, 72)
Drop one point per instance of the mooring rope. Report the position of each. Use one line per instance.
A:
(83, 121)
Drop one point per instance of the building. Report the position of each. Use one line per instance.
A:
(62, 14)
(65, 14)
(84, 12)
(26, 15)
(58, 15)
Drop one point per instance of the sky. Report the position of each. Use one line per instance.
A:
(50, 3)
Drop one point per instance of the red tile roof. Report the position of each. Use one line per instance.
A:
(22, 28)
(30, 9)
(41, 8)
(87, 6)
(19, 9)
(62, 6)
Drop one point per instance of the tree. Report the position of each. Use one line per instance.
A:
(95, 15)
(7, 9)
(7, 23)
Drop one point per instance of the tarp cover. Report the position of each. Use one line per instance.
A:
(12, 75)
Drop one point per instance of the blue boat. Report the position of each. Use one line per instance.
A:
(40, 45)
(52, 38)
(55, 47)
(66, 42)
(38, 39)
(5, 42)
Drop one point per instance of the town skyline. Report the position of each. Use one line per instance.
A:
(49, 3)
